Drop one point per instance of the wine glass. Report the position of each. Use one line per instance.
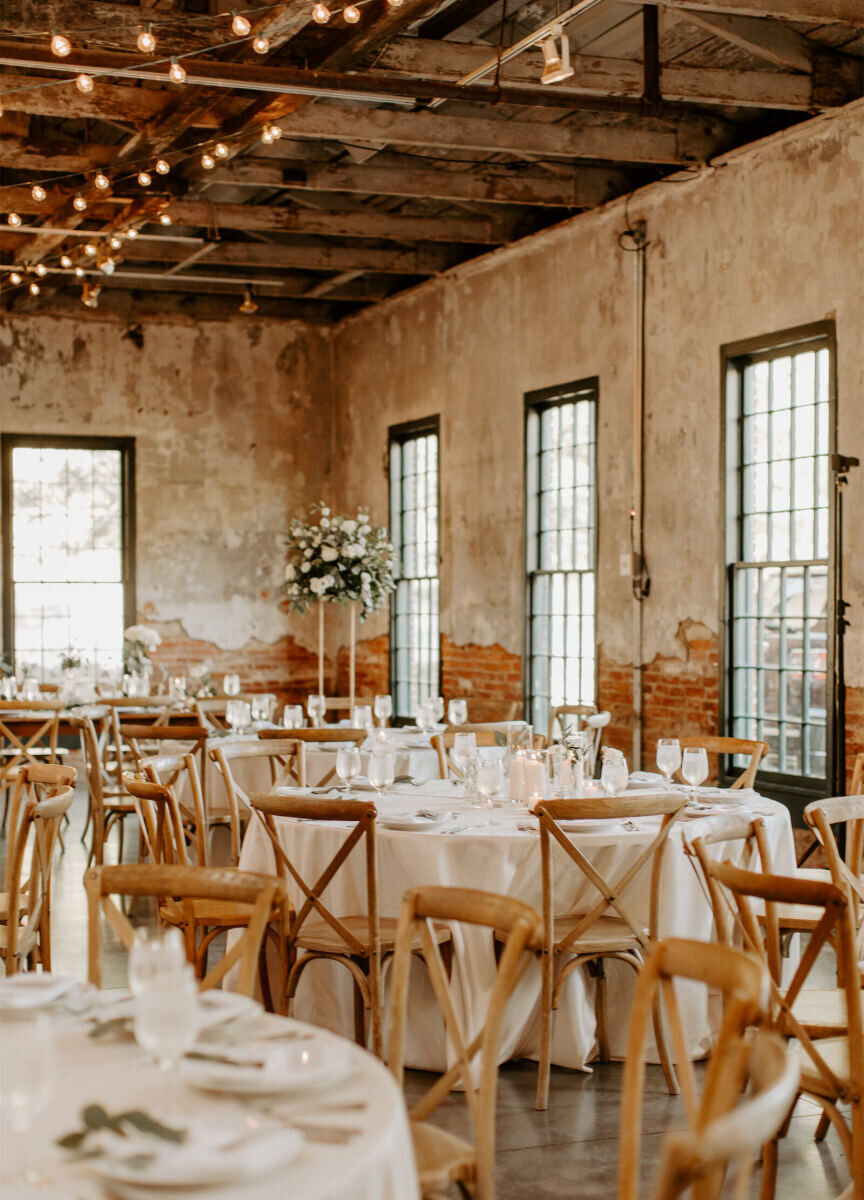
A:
(231, 685)
(382, 770)
(457, 712)
(489, 782)
(668, 757)
(292, 716)
(614, 776)
(167, 1017)
(361, 718)
(27, 1069)
(316, 707)
(694, 768)
(233, 716)
(383, 709)
(347, 765)
(465, 758)
(436, 707)
(155, 954)
(424, 716)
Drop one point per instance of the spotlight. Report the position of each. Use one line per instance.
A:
(248, 306)
(556, 63)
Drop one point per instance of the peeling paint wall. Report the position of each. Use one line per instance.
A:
(232, 431)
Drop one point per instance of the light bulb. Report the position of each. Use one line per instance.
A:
(79, 272)
(41, 270)
(132, 233)
(260, 44)
(90, 250)
(107, 266)
(266, 136)
(351, 13)
(35, 289)
(276, 132)
(162, 166)
(102, 182)
(146, 42)
(79, 203)
(115, 242)
(65, 262)
(13, 219)
(208, 162)
(145, 178)
(248, 306)
(164, 219)
(38, 192)
(220, 150)
(84, 83)
(14, 278)
(176, 72)
(60, 45)
(320, 14)
(240, 25)
(395, 3)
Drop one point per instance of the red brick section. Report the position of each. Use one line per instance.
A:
(615, 695)
(486, 672)
(854, 728)
(371, 667)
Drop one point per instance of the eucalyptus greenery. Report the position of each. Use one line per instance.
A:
(338, 560)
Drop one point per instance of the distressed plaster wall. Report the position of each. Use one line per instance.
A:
(232, 431)
(771, 238)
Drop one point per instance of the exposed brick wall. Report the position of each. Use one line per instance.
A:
(371, 667)
(615, 695)
(487, 672)
(854, 728)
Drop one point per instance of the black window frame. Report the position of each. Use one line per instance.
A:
(794, 790)
(126, 447)
(399, 435)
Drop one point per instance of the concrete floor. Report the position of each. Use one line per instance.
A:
(568, 1151)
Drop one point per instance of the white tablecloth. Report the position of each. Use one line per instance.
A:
(378, 1164)
(499, 857)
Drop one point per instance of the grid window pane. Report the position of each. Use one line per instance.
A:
(560, 475)
(414, 640)
(778, 636)
(67, 558)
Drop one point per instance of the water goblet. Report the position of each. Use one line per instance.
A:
(361, 718)
(383, 709)
(292, 716)
(457, 712)
(167, 1016)
(155, 954)
(316, 707)
(231, 685)
(694, 768)
(489, 782)
(614, 776)
(27, 1069)
(436, 706)
(668, 757)
(347, 765)
(382, 770)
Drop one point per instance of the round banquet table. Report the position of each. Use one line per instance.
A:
(493, 853)
(376, 1164)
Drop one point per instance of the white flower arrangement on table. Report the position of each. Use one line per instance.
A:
(139, 643)
(341, 560)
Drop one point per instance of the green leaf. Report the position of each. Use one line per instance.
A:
(71, 1141)
(94, 1116)
(500, 738)
(144, 1123)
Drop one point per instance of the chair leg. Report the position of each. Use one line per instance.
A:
(598, 970)
(359, 1016)
(663, 1048)
(823, 1127)
(547, 970)
(769, 1170)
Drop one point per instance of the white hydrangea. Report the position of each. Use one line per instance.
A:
(329, 553)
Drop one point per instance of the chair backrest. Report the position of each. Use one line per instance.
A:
(21, 737)
(362, 815)
(420, 908)
(577, 711)
(740, 978)
(316, 736)
(832, 912)
(701, 836)
(442, 743)
(286, 758)
(856, 787)
(847, 871)
(184, 884)
(159, 819)
(211, 711)
(179, 772)
(611, 890)
(133, 733)
(41, 798)
(730, 746)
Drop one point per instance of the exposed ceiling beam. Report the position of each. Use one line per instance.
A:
(140, 305)
(449, 19)
(25, 154)
(426, 259)
(817, 12)
(153, 281)
(110, 25)
(586, 188)
(760, 36)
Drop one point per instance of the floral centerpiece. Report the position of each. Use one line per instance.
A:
(342, 560)
(139, 642)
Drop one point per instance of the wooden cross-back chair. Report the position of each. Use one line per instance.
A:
(41, 798)
(832, 1068)
(108, 807)
(189, 888)
(856, 785)
(729, 746)
(318, 737)
(27, 742)
(442, 1157)
(165, 837)
(177, 735)
(822, 1011)
(587, 937)
(845, 871)
(557, 726)
(286, 758)
(359, 941)
(116, 755)
(179, 772)
(740, 979)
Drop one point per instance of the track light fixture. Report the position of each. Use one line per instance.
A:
(248, 306)
(556, 61)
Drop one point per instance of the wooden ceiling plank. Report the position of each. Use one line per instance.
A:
(819, 12)
(428, 259)
(760, 36)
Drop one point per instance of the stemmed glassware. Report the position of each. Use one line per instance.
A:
(231, 685)
(383, 709)
(457, 712)
(361, 718)
(668, 757)
(292, 716)
(154, 953)
(466, 759)
(347, 765)
(489, 782)
(382, 770)
(316, 707)
(614, 775)
(424, 715)
(694, 768)
(28, 1079)
(436, 707)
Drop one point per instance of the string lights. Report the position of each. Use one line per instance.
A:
(13, 219)
(240, 25)
(102, 182)
(208, 162)
(177, 72)
(65, 262)
(60, 45)
(41, 270)
(146, 41)
(15, 279)
(35, 288)
(221, 150)
(320, 13)
(79, 203)
(38, 192)
(260, 44)
(84, 83)
(145, 178)
(162, 166)
(351, 13)
(165, 219)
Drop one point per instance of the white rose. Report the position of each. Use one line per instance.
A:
(325, 523)
(364, 529)
(308, 552)
(316, 586)
(329, 554)
(365, 577)
(349, 526)
(325, 512)
(290, 572)
(304, 567)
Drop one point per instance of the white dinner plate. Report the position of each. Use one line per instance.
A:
(589, 824)
(33, 989)
(299, 1067)
(210, 1155)
(216, 1007)
(411, 822)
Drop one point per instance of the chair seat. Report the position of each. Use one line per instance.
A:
(796, 917)
(23, 902)
(606, 935)
(321, 938)
(835, 1052)
(210, 913)
(814, 874)
(822, 1011)
(442, 1157)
